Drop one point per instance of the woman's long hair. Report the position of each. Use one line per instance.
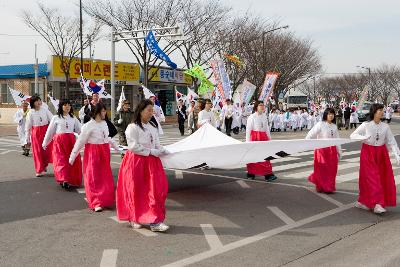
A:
(373, 109)
(60, 111)
(97, 110)
(136, 116)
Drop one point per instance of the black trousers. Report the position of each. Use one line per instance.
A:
(181, 126)
(228, 125)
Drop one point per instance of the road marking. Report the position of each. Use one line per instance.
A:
(252, 239)
(326, 197)
(109, 258)
(8, 141)
(305, 174)
(287, 167)
(81, 190)
(211, 236)
(281, 215)
(178, 174)
(285, 159)
(114, 218)
(7, 151)
(305, 153)
(243, 184)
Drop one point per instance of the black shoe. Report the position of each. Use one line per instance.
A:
(270, 177)
(251, 176)
(66, 186)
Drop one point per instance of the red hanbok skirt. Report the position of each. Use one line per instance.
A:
(376, 181)
(259, 168)
(325, 169)
(98, 178)
(142, 189)
(41, 158)
(63, 171)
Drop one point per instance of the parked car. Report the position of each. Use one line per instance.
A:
(363, 113)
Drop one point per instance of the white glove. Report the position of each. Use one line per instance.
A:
(165, 152)
(155, 152)
(71, 161)
(44, 147)
(397, 156)
(119, 121)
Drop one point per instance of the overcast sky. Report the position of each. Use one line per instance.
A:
(346, 33)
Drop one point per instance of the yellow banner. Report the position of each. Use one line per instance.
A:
(98, 70)
(169, 76)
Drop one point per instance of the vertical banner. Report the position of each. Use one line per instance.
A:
(222, 78)
(268, 86)
(363, 96)
(154, 49)
(247, 91)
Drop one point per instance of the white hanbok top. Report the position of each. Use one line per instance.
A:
(20, 118)
(159, 116)
(206, 116)
(354, 117)
(257, 122)
(92, 132)
(39, 117)
(82, 114)
(389, 113)
(324, 130)
(60, 125)
(376, 135)
(227, 111)
(140, 141)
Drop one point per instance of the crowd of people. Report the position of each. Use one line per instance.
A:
(142, 186)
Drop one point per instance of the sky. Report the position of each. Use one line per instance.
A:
(345, 33)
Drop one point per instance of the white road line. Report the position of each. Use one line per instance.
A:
(109, 258)
(281, 215)
(347, 177)
(305, 153)
(5, 140)
(114, 218)
(305, 174)
(211, 236)
(178, 174)
(252, 239)
(6, 152)
(287, 167)
(81, 190)
(326, 197)
(243, 184)
(285, 159)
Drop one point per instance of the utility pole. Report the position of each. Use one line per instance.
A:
(36, 68)
(80, 34)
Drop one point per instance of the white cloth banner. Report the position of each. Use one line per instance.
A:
(247, 91)
(191, 95)
(268, 86)
(18, 96)
(210, 146)
(122, 98)
(147, 92)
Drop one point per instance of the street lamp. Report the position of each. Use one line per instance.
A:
(263, 38)
(369, 78)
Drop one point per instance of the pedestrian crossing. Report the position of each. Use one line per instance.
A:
(294, 167)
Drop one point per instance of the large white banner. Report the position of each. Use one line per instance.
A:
(247, 91)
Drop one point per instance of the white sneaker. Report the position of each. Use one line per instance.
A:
(40, 174)
(379, 209)
(161, 227)
(98, 209)
(135, 225)
(361, 206)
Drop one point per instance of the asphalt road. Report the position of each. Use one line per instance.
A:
(217, 218)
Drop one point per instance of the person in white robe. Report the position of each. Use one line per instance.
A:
(20, 118)
(158, 114)
(206, 115)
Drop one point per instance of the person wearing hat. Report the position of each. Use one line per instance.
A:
(122, 120)
(227, 116)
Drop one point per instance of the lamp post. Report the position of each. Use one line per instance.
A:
(263, 39)
(369, 78)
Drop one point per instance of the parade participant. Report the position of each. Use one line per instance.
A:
(20, 118)
(245, 115)
(277, 121)
(158, 114)
(81, 113)
(190, 116)
(206, 114)
(258, 130)
(226, 116)
(287, 120)
(89, 107)
(377, 188)
(389, 114)
(339, 117)
(122, 120)
(326, 159)
(181, 112)
(99, 181)
(295, 120)
(142, 186)
(61, 131)
(353, 118)
(346, 116)
(236, 118)
(271, 118)
(311, 120)
(194, 115)
(304, 117)
(37, 122)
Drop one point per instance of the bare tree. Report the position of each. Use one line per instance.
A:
(381, 83)
(62, 35)
(139, 14)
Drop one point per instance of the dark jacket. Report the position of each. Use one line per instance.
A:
(181, 113)
(347, 112)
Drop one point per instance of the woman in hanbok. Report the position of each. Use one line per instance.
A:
(377, 188)
(37, 122)
(258, 130)
(326, 159)
(98, 178)
(61, 131)
(20, 118)
(311, 120)
(142, 184)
